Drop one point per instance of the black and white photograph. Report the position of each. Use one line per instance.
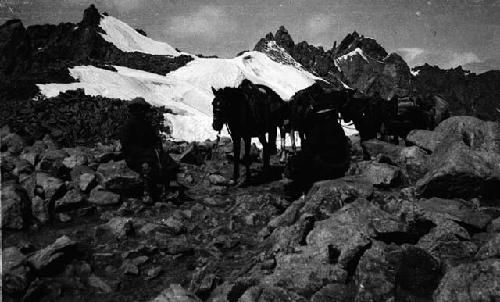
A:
(250, 150)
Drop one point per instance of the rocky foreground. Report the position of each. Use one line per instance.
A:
(417, 223)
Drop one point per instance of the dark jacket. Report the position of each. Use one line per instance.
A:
(139, 140)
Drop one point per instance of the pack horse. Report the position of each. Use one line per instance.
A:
(249, 111)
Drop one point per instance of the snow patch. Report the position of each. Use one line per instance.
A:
(357, 51)
(128, 39)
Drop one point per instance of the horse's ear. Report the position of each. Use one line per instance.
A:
(214, 91)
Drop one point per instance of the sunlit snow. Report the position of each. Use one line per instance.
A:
(128, 39)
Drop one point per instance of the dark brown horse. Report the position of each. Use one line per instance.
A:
(248, 111)
(310, 100)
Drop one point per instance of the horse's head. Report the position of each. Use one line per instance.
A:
(220, 109)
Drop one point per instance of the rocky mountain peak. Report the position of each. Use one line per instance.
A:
(354, 40)
(284, 38)
(91, 17)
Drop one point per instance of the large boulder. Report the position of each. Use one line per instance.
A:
(349, 231)
(471, 282)
(119, 178)
(302, 274)
(465, 160)
(54, 257)
(479, 135)
(449, 243)
(459, 171)
(15, 207)
(387, 272)
(460, 211)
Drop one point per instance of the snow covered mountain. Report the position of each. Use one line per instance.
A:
(187, 91)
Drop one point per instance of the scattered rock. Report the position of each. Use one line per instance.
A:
(99, 197)
(328, 196)
(15, 272)
(70, 200)
(119, 178)
(494, 225)
(52, 161)
(471, 282)
(149, 228)
(12, 143)
(153, 272)
(15, 207)
(23, 167)
(219, 180)
(76, 159)
(192, 155)
(176, 293)
(119, 227)
(335, 293)
(63, 217)
(99, 284)
(53, 257)
(40, 209)
(263, 293)
(53, 187)
(381, 174)
(86, 181)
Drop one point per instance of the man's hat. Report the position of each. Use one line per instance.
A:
(138, 104)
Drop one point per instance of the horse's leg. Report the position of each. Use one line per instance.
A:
(236, 154)
(282, 139)
(247, 141)
(302, 139)
(272, 140)
(266, 156)
(292, 138)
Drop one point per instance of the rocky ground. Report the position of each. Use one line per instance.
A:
(417, 223)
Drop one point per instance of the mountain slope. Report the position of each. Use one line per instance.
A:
(468, 93)
(128, 39)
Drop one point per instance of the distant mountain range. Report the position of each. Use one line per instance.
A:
(106, 57)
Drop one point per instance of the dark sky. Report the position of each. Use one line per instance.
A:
(447, 33)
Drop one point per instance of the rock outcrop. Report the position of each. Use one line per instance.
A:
(358, 62)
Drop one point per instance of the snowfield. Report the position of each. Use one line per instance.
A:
(128, 39)
(187, 91)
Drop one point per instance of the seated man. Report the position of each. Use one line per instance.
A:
(143, 150)
(325, 156)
